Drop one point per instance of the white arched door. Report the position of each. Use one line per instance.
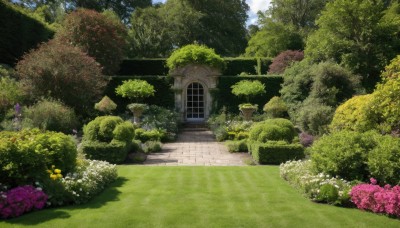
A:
(195, 102)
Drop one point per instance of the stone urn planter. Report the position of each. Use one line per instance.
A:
(137, 109)
(247, 111)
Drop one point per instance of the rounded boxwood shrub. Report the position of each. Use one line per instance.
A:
(195, 54)
(272, 130)
(276, 108)
(384, 161)
(108, 138)
(344, 154)
(25, 156)
(135, 89)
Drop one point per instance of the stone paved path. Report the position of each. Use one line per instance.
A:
(196, 148)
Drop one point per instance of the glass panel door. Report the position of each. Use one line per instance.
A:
(195, 102)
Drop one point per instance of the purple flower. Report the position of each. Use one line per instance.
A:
(18, 109)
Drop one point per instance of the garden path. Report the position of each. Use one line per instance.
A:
(196, 148)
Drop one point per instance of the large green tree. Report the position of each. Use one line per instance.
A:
(362, 35)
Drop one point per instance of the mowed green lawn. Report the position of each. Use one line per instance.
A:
(201, 197)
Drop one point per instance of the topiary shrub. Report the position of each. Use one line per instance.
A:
(135, 89)
(195, 54)
(107, 138)
(344, 154)
(99, 36)
(64, 72)
(52, 115)
(276, 108)
(284, 60)
(25, 156)
(272, 130)
(384, 161)
(355, 114)
(276, 152)
(105, 105)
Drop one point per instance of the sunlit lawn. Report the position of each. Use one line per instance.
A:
(201, 197)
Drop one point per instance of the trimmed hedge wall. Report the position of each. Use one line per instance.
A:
(223, 96)
(163, 96)
(234, 66)
(275, 153)
(19, 33)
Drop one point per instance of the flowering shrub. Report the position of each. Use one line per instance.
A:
(89, 180)
(299, 174)
(20, 200)
(377, 199)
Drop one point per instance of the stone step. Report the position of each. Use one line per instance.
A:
(195, 127)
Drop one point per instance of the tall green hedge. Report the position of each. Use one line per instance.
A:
(163, 96)
(234, 66)
(19, 33)
(223, 96)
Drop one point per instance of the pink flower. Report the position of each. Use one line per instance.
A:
(373, 181)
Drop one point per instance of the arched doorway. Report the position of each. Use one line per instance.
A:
(195, 102)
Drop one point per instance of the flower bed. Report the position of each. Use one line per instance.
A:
(375, 198)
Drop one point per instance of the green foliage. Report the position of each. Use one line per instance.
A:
(328, 193)
(63, 72)
(237, 146)
(344, 154)
(26, 155)
(10, 90)
(275, 152)
(325, 84)
(114, 152)
(276, 108)
(358, 35)
(124, 131)
(99, 36)
(284, 60)
(156, 117)
(248, 88)
(151, 135)
(20, 32)
(195, 54)
(384, 161)
(52, 115)
(252, 66)
(105, 105)
(355, 114)
(135, 89)
(272, 130)
(102, 128)
(151, 147)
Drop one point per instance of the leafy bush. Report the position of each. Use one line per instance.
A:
(237, 146)
(105, 105)
(64, 72)
(135, 89)
(272, 130)
(314, 117)
(326, 84)
(300, 175)
(151, 146)
(26, 155)
(90, 178)
(10, 91)
(344, 154)
(276, 108)
(284, 60)
(156, 117)
(97, 35)
(247, 88)
(355, 114)
(52, 115)
(328, 193)
(374, 198)
(306, 139)
(150, 135)
(276, 152)
(20, 200)
(384, 160)
(195, 54)
(107, 138)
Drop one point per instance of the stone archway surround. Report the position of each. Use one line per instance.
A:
(184, 76)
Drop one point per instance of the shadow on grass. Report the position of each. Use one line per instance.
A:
(111, 193)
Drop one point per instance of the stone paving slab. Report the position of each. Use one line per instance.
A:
(196, 148)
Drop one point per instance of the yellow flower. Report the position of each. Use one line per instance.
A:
(58, 171)
(59, 176)
(53, 176)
